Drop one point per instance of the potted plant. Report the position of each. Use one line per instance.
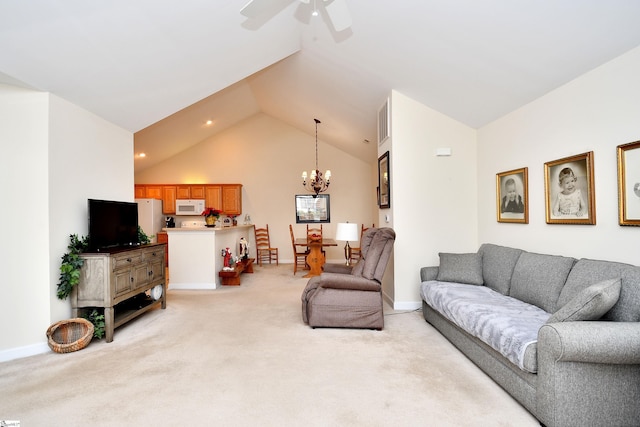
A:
(211, 215)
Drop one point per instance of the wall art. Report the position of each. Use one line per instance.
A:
(512, 196)
(629, 183)
(569, 190)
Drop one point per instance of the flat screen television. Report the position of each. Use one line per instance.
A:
(112, 225)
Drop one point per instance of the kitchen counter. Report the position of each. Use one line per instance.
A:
(195, 254)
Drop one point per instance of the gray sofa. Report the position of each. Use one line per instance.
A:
(561, 335)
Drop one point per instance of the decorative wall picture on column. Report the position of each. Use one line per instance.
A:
(570, 196)
(512, 196)
(629, 183)
(384, 181)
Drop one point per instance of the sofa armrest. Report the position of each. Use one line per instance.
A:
(428, 273)
(346, 281)
(588, 373)
(592, 342)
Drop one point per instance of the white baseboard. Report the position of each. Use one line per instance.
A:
(26, 351)
(407, 305)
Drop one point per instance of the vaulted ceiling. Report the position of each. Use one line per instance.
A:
(161, 69)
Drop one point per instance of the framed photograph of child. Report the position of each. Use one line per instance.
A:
(629, 183)
(512, 196)
(569, 190)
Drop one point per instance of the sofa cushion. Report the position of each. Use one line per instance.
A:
(586, 272)
(506, 324)
(460, 268)
(538, 279)
(590, 304)
(498, 263)
(627, 309)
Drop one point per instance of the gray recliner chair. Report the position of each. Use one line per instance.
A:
(351, 297)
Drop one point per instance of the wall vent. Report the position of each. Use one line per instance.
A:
(383, 122)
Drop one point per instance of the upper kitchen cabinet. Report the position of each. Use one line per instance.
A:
(169, 193)
(232, 199)
(196, 192)
(213, 196)
(226, 197)
(183, 192)
(153, 192)
(140, 191)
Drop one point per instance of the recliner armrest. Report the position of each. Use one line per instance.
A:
(347, 281)
(337, 268)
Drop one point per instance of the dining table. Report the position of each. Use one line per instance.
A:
(316, 258)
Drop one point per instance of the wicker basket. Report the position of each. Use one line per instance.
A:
(70, 335)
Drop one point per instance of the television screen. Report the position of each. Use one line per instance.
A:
(112, 224)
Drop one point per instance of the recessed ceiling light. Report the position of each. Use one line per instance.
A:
(209, 122)
(140, 155)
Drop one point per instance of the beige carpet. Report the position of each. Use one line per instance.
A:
(241, 356)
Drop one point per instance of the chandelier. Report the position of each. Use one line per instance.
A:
(316, 183)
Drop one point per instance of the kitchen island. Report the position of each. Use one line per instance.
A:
(195, 254)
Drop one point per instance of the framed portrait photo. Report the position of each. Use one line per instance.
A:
(512, 196)
(569, 190)
(384, 182)
(629, 183)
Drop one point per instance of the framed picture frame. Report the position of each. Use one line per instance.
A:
(384, 181)
(311, 208)
(629, 183)
(512, 196)
(569, 190)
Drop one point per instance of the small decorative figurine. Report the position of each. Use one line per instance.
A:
(244, 248)
(227, 258)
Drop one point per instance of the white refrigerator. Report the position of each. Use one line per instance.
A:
(150, 217)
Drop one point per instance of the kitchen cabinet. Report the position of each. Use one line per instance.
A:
(169, 199)
(140, 191)
(226, 197)
(110, 279)
(154, 192)
(232, 199)
(196, 191)
(183, 192)
(213, 196)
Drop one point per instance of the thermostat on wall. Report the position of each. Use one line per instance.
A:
(443, 151)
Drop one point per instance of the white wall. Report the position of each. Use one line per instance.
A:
(55, 156)
(89, 158)
(24, 283)
(433, 198)
(267, 157)
(596, 112)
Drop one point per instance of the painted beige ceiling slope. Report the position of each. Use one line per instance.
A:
(137, 62)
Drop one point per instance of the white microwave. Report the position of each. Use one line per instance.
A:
(189, 206)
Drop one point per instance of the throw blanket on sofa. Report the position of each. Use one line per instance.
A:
(506, 324)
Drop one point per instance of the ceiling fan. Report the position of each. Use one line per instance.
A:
(336, 10)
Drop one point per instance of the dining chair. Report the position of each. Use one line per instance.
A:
(356, 253)
(300, 255)
(264, 251)
(314, 233)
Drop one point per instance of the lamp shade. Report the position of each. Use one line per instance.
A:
(347, 232)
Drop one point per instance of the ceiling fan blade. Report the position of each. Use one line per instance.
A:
(339, 14)
(255, 8)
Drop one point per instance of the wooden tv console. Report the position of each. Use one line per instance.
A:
(111, 280)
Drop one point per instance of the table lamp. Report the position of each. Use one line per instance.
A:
(347, 231)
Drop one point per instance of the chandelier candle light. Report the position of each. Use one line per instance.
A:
(348, 232)
(316, 183)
